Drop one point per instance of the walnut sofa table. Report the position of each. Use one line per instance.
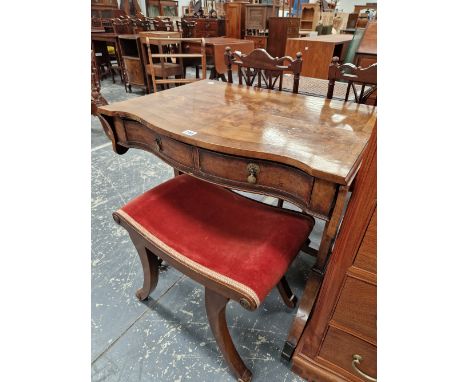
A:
(303, 149)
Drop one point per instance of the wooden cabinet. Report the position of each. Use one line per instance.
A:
(155, 8)
(207, 27)
(279, 30)
(317, 52)
(310, 16)
(256, 17)
(366, 53)
(235, 19)
(134, 71)
(340, 341)
(260, 42)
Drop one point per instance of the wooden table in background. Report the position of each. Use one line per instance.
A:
(215, 48)
(317, 52)
(303, 149)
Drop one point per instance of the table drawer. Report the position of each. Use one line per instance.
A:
(170, 149)
(357, 308)
(339, 348)
(293, 182)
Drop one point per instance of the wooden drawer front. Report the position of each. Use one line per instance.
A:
(366, 257)
(293, 182)
(357, 308)
(174, 151)
(339, 348)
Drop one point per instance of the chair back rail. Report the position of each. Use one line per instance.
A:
(260, 67)
(366, 77)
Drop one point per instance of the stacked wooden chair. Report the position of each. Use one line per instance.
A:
(353, 75)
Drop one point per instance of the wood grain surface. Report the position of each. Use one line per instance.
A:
(324, 138)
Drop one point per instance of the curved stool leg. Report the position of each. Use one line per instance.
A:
(150, 263)
(215, 306)
(287, 295)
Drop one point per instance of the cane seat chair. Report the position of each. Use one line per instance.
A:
(353, 75)
(259, 68)
(237, 248)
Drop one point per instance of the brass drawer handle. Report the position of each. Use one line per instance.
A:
(356, 362)
(253, 170)
(158, 145)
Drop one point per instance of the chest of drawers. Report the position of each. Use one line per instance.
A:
(340, 341)
(207, 27)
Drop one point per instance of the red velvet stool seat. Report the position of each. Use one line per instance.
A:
(237, 248)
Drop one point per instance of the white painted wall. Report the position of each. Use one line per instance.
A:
(348, 5)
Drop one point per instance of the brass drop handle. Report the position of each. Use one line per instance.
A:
(253, 170)
(356, 362)
(158, 145)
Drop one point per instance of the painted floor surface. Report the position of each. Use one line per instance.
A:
(166, 338)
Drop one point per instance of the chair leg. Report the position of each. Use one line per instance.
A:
(150, 263)
(287, 295)
(280, 203)
(215, 306)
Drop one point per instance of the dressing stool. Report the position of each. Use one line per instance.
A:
(238, 248)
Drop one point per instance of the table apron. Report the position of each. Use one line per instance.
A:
(315, 196)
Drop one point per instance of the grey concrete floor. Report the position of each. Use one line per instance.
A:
(166, 338)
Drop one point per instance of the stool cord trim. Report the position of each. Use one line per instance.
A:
(239, 287)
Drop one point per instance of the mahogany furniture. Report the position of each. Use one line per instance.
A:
(215, 49)
(163, 24)
(143, 51)
(235, 19)
(352, 20)
(122, 26)
(205, 27)
(366, 77)
(318, 51)
(103, 8)
(260, 42)
(288, 146)
(130, 7)
(99, 43)
(132, 58)
(221, 240)
(310, 16)
(156, 8)
(340, 341)
(170, 60)
(256, 17)
(187, 28)
(366, 53)
(96, 98)
(260, 69)
(279, 30)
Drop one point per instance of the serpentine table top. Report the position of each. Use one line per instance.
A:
(324, 138)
